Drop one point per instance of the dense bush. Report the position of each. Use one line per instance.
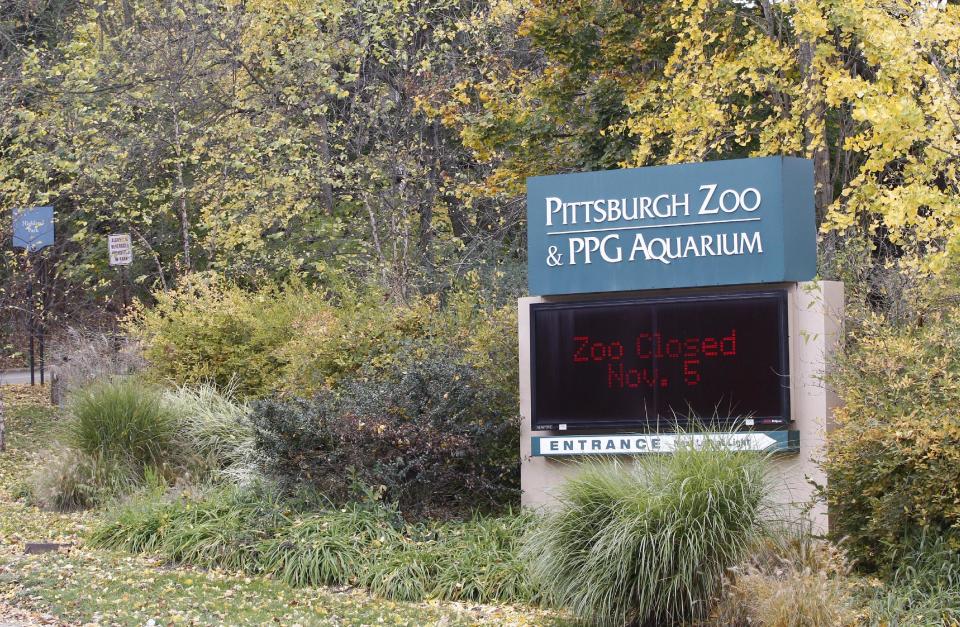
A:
(649, 544)
(299, 341)
(209, 330)
(893, 462)
(362, 543)
(430, 434)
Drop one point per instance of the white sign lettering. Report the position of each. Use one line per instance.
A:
(632, 444)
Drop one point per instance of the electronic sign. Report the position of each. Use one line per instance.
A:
(660, 362)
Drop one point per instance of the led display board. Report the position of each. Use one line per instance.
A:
(659, 362)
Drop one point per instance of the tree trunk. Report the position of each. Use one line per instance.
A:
(3, 426)
(815, 134)
(182, 197)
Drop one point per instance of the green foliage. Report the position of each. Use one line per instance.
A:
(122, 435)
(363, 543)
(649, 544)
(893, 462)
(299, 341)
(225, 149)
(925, 587)
(210, 330)
(215, 428)
(124, 422)
(431, 434)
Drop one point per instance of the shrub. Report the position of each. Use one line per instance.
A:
(124, 422)
(893, 463)
(210, 330)
(789, 579)
(649, 543)
(298, 341)
(431, 434)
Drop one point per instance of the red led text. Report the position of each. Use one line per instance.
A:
(683, 355)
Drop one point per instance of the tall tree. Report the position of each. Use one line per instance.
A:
(866, 90)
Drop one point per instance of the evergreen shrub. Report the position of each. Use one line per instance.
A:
(893, 462)
(429, 433)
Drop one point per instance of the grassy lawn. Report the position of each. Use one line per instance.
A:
(81, 586)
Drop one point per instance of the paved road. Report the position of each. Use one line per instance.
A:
(22, 375)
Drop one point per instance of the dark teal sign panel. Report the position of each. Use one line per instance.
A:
(700, 224)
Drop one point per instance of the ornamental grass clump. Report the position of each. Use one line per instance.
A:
(126, 422)
(650, 543)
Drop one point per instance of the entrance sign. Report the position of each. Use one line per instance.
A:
(660, 362)
(701, 224)
(644, 443)
(120, 248)
(33, 228)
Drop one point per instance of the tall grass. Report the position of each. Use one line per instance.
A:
(650, 543)
(124, 421)
(925, 587)
(790, 579)
(215, 427)
(120, 432)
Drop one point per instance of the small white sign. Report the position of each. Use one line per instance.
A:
(121, 249)
(633, 444)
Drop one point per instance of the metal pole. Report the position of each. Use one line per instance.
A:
(30, 322)
(41, 270)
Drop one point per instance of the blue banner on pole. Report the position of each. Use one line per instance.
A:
(699, 224)
(33, 228)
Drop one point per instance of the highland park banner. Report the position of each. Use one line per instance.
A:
(718, 223)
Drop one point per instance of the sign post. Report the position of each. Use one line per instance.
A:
(120, 249)
(33, 231)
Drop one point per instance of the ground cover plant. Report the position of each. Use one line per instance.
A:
(650, 544)
(364, 544)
